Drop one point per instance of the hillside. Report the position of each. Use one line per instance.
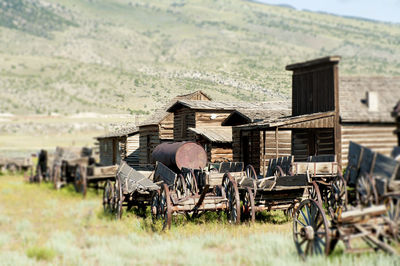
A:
(127, 56)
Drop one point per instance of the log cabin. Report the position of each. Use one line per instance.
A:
(122, 144)
(201, 122)
(159, 127)
(327, 112)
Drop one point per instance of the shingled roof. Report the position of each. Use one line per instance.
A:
(221, 105)
(273, 110)
(215, 134)
(160, 114)
(354, 103)
(121, 132)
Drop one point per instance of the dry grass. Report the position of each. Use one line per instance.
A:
(39, 225)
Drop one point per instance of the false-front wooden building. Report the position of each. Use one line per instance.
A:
(201, 121)
(120, 145)
(159, 127)
(327, 112)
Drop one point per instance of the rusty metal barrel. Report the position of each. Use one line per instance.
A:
(180, 154)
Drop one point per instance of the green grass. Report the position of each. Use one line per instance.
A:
(39, 225)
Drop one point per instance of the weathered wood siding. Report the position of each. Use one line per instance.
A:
(307, 142)
(269, 150)
(183, 119)
(131, 155)
(148, 140)
(106, 151)
(166, 128)
(314, 89)
(378, 137)
(111, 150)
(236, 145)
(210, 118)
(220, 152)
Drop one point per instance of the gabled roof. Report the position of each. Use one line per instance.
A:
(353, 98)
(214, 134)
(160, 114)
(220, 105)
(273, 110)
(315, 120)
(121, 132)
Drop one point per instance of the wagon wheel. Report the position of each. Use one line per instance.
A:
(248, 205)
(191, 183)
(393, 218)
(232, 194)
(250, 172)
(337, 196)
(80, 181)
(365, 190)
(314, 193)
(155, 206)
(165, 207)
(108, 193)
(279, 171)
(118, 199)
(310, 229)
(180, 186)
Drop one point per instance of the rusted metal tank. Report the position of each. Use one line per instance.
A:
(180, 154)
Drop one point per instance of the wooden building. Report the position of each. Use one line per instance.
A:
(159, 127)
(120, 145)
(327, 112)
(396, 115)
(365, 112)
(201, 121)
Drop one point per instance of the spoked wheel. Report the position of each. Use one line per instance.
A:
(393, 216)
(165, 207)
(248, 205)
(118, 198)
(155, 206)
(251, 172)
(314, 193)
(279, 171)
(108, 194)
(190, 182)
(365, 191)
(180, 186)
(232, 194)
(337, 196)
(310, 229)
(80, 180)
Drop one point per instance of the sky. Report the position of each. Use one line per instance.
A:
(382, 10)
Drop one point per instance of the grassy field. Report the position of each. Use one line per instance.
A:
(39, 225)
(128, 56)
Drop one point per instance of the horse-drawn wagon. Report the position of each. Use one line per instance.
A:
(364, 213)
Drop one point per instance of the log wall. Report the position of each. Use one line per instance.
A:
(131, 155)
(148, 140)
(183, 119)
(270, 151)
(166, 128)
(307, 142)
(220, 152)
(378, 137)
